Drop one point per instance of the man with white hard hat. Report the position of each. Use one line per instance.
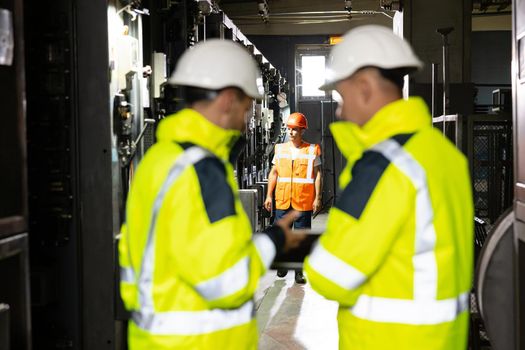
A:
(397, 252)
(189, 263)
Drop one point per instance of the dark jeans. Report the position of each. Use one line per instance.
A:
(303, 221)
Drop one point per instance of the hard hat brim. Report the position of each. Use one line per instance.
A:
(331, 84)
(328, 86)
(255, 95)
(252, 93)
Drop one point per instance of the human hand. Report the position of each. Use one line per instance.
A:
(268, 204)
(317, 205)
(292, 238)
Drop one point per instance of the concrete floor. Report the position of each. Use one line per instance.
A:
(292, 316)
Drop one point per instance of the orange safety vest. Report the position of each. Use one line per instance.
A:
(295, 181)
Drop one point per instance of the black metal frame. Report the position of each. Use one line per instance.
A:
(99, 213)
(14, 290)
(14, 266)
(73, 264)
(307, 50)
(13, 207)
(518, 101)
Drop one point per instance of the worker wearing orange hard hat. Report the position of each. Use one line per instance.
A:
(296, 179)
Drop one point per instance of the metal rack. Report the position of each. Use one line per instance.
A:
(490, 154)
(486, 140)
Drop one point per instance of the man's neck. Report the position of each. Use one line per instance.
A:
(297, 143)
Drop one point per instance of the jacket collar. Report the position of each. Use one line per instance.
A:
(399, 117)
(190, 126)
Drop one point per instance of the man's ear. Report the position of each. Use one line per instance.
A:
(225, 100)
(365, 88)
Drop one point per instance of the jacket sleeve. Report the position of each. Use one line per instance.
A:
(361, 230)
(127, 286)
(220, 258)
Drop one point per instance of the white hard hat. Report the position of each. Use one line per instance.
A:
(216, 64)
(368, 46)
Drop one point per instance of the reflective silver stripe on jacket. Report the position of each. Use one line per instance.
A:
(334, 269)
(227, 283)
(265, 248)
(127, 275)
(193, 322)
(424, 260)
(424, 308)
(414, 312)
(189, 157)
(181, 322)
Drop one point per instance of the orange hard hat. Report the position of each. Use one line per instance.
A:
(297, 120)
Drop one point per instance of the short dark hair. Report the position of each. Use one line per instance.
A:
(194, 94)
(395, 75)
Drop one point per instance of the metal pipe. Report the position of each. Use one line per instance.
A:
(446, 92)
(435, 67)
(334, 176)
(446, 88)
(147, 122)
(322, 153)
(445, 79)
(322, 129)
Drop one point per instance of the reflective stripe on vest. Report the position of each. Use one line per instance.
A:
(295, 180)
(310, 169)
(186, 322)
(307, 179)
(424, 308)
(298, 156)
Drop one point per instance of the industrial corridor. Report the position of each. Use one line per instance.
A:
(262, 174)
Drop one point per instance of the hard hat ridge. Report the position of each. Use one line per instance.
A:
(368, 46)
(217, 64)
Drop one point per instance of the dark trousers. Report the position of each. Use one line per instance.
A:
(303, 221)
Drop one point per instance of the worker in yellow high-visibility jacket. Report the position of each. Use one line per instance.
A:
(189, 263)
(397, 251)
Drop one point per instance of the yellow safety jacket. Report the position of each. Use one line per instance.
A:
(189, 263)
(397, 252)
(295, 182)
